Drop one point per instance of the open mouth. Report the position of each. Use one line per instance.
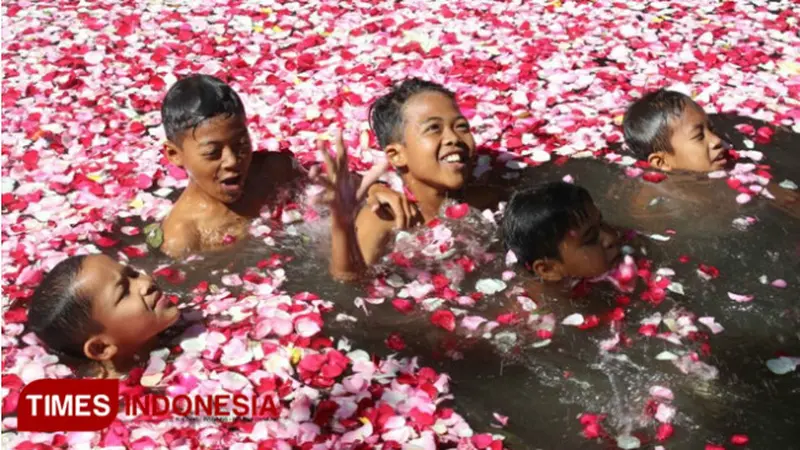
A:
(722, 156)
(231, 183)
(454, 158)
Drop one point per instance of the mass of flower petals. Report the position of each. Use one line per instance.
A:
(540, 81)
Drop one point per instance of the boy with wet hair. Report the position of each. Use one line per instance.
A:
(556, 232)
(672, 132)
(92, 308)
(429, 143)
(206, 128)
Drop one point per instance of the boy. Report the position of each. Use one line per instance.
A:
(206, 129)
(672, 132)
(557, 232)
(93, 308)
(429, 143)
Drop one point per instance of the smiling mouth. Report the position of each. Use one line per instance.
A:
(454, 158)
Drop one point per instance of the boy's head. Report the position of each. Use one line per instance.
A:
(672, 132)
(93, 307)
(556, 231)
(424, 134)
(206, 128)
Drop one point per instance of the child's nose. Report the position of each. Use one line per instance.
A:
(229, 157)
(451, 137)
(145, 284)
(714, 141)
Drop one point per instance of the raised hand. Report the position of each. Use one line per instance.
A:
(344, 198)
(343, 193)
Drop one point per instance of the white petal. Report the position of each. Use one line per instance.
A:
(573, 320)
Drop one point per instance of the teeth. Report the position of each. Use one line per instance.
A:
(454, 158)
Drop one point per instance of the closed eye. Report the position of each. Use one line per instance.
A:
(214, 153)
(125, 287)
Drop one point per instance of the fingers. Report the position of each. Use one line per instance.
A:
(371, 177)
(403, 211)
(409, 210)
(314, 171)
(400, 219)
(326, 157)
(341, 151)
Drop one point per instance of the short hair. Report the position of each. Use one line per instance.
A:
(194, 99)
(537, 219)
(59, 314)
(646, 122)
(386, 113)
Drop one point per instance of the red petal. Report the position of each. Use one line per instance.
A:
(395, 342)
(482, 440)
(664, 432)
(654, 177)
(457, 211)
(402, 305)
(739, 439)
(444, 319)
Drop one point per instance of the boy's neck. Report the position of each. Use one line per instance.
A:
(429, 199)
(122, 363)
(198, 195)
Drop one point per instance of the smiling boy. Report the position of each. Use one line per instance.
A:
(429, 142)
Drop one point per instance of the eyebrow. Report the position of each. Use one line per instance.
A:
(698, 127)
(431, 119)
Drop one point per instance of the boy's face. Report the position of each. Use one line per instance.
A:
(127, 304)
(217, 155)
(587, 251)
(438, 146)
(694, 144)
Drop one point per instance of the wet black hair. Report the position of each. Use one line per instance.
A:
(194, 99)
(59, 314)
(537, 219)
(646, 122)
(386, 113)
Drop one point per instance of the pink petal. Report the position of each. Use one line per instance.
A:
(740, 297)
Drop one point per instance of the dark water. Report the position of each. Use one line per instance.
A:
(544, 390)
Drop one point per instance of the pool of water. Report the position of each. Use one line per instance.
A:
(544, 389)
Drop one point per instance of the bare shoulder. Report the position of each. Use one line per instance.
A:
(180, 234)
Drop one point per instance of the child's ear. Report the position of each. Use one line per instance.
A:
(396, 155)
(99, 348)
(549, 269)
(659, 161)
(174, 153)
